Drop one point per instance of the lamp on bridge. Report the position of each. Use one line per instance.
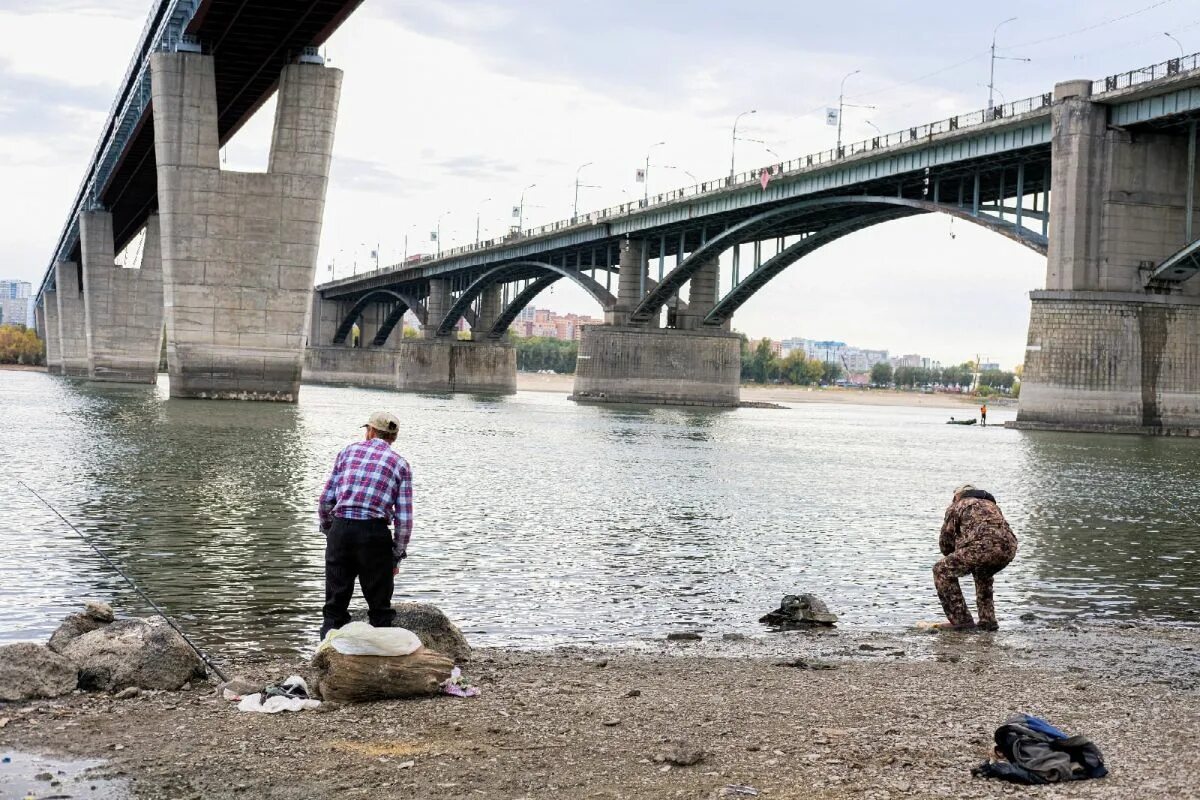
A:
(646, 173)
(521, 208)
(575, 208)
(992, 69)
(842, 104)
(437, 235)
(478, 210)
(733, 143)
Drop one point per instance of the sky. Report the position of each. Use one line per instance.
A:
(450, 109)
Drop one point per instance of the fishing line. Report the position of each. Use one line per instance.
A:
(128, 580)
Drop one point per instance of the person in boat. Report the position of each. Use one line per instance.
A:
(975, 540)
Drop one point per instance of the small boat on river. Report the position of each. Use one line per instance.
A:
(953, 421)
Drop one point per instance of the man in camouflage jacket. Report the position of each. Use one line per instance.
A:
(975, 540)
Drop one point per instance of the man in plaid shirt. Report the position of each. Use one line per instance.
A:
(370, 485)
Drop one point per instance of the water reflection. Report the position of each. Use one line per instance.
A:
(539, 520)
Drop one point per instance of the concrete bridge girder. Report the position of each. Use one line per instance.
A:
(761, 226)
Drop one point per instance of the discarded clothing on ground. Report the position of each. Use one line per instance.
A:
(291, 695)
(1036, 752)
(361, 639)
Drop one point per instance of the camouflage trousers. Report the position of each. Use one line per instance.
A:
(981, 558)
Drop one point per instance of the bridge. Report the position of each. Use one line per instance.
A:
(1098, 176)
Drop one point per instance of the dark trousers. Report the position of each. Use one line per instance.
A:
(362, 549)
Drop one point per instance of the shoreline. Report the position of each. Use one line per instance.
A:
(900, 714)
(563, 384)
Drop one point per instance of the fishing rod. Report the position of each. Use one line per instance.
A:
(128, 580)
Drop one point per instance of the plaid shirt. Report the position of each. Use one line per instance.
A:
(370, 481)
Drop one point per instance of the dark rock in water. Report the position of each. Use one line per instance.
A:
(29, 670)
(685, 636)
(94, 615)
(798, 611)
(1028, 616)
(148, 654)
(432, 627)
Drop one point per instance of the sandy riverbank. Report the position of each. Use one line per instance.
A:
(533, 382)
(903, 714)
(22, 367)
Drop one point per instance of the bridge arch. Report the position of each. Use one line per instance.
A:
(462, 304)
(871, 210)
(404, 302)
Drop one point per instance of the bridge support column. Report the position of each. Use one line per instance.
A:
(702, 295)
(72, 328)
(123, 307)
(52, 336)
(1104, 353)
(632, 281)
(491, 305)
(239, 249)
(619, 364)
(324, 318)
(451, 365)
(437, 306)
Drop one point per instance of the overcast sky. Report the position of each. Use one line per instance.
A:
(445, 105)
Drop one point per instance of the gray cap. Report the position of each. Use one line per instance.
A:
(383, 421)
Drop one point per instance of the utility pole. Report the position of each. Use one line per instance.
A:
(521, 213)
(992, 68)
(575, 208)
(646, 173)
(477, 212)
(842, 105)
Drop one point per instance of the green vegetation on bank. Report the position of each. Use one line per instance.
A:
(20, 345)
(536, 353)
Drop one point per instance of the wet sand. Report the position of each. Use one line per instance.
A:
(903, 714)
(784, 395)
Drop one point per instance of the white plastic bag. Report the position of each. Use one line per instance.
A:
(360, 639)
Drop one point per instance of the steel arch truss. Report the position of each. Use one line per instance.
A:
(403, 301)
(813, 217)
(547, 275)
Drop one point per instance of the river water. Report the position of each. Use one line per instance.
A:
(539, 521)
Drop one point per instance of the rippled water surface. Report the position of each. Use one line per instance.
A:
(539, 521)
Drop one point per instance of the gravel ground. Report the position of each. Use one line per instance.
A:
(899, 715)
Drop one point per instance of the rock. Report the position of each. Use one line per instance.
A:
(685, 636)
(634, 693)
(799, 610)
(1028, 616)
(800, 663)
(237, 687)
(43, 776)
(29, 670)
(733, 637)
(432, 627)
(148, 654)
(128, 693)
(94, 615)
(679, 753)
(610, 723)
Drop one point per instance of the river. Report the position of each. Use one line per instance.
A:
(539, 521)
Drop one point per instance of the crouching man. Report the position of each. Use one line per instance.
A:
(977, 541)
(370, 485)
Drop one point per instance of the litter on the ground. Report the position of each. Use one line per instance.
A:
(291, 695)
(361, 639)
(457, 685)
(1035, 752)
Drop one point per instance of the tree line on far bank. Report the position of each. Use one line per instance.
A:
(20, 345)
(536, 353)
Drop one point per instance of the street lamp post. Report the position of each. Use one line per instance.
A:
(841, 106)
(477, 212)
(438, 233)
(1177, 42)
(575, 207)
(733, 141)
(646, 173)
(992, 68)
(521, 213)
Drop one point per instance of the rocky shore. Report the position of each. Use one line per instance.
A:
(806, 714)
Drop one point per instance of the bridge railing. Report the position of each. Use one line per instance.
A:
(753, 176)
(1164, 69)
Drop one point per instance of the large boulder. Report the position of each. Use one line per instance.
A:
(29, 670)
(148, 654)
(432, 627)
(94, 615)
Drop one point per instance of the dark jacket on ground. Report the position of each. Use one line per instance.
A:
(1038, 753)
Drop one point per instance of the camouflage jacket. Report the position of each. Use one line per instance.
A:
(971, 519)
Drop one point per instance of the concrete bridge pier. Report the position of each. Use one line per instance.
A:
(448, 364)
(623, 363)
(1106, 351)
(123, 307)
(72, 331)
(239, 249)
(344, 364)
(52, 336)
